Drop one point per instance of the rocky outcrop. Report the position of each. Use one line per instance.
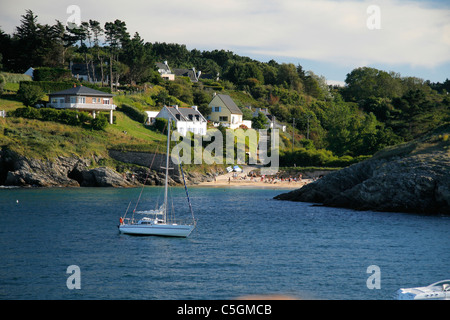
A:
(17, 170)
(414, 177)
(103, 177)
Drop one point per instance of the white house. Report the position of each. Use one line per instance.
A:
(224, 111)
(186, 119)
(151, 115)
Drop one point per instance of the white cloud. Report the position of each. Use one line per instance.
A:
(322, 30)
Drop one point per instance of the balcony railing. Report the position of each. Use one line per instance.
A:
(82, 106)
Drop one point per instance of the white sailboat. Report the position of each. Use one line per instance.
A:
(156, 222)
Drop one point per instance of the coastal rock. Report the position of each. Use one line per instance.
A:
(414, 177)
(41, 173)
(18, 170)
(103, 177)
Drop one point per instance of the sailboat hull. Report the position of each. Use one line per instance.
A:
(165, 230)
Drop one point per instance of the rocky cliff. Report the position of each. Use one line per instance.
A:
(17, 170)
(413, 177)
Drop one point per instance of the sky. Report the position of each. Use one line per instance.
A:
(328, 37)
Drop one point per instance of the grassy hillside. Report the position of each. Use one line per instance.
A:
(46, 139)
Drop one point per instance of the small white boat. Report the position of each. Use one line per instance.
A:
(436, 291)
(156, 222)
(156, 227)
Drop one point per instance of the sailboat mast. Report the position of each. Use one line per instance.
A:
(167, 171)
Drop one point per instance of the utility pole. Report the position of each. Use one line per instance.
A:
(308, 116)
(293, 137)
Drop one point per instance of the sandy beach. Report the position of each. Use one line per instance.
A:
(277, 185)
(242, 180)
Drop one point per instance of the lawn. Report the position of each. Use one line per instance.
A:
(47, 139)
(7, 103)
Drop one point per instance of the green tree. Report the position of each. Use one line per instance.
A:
(289, 78)
(238, 72)
(365, 82)
(417, 112)
(260, 121)
(99, 123)
(26, 42)
(30, 95)
(116, 36)
(139, 60)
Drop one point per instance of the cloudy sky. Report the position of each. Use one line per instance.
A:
(329, 37)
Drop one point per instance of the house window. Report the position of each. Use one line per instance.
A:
(81, 99)
(94, 100)
(73, 99)
(216, 109)
(224, 118)
(105, 101)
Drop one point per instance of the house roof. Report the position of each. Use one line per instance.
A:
(229, 103)
(184, 113)
(81, 91)
(186, 73)
(162, 66)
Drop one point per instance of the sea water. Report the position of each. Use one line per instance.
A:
(245, 243)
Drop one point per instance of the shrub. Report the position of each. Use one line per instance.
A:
(30, 95)
(51, 74)
(27, 112)
(160, 125)
(99, 123)
(54, 86)
(84, 117)
(69, 117)
(134, 113)
(49, 114)
(2, 83)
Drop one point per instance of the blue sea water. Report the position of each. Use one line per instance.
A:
(245, 243)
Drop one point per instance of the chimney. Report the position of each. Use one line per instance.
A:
(176, 106)
(195, 108)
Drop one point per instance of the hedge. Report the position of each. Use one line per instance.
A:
(69, 117)
(160, 125)
(134, 113)
(321, 158)
(51, 74)
(55, 86)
